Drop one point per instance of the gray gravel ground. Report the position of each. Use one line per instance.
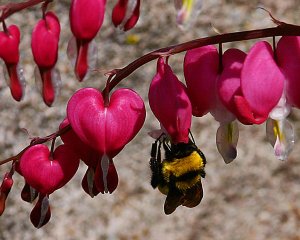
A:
(255, 197)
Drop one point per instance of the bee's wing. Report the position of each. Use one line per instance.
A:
(173, 200)
(193, 196)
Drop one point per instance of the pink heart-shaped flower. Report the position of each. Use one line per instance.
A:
(107, 129)
(45, 174)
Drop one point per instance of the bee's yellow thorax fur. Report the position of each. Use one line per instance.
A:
(178, 167)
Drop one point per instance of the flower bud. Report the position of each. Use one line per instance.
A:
(86, 18)
(44, 45)
(9, 52)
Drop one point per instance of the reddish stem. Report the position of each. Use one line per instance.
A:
(282, 30)
(11, 8)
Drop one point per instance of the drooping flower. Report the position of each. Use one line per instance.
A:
(261, 84)
(44, 45)
(170, 103)
(48, 172)
(9, 52)
(106, 128)
(126, 13)
(280, 131)
(86, 18)
(202, 73)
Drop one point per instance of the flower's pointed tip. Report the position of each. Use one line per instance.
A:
(281, 136)
(41, 213)
(227, 138)
(16, 81)
(230, 155)
(106, 177)
(245, 113)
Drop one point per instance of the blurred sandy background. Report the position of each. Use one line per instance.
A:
(255, 197)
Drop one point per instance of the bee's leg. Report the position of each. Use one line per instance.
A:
(155, 162)
(168, 151)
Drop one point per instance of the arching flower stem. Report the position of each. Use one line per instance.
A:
(283, 29)
(11, 8)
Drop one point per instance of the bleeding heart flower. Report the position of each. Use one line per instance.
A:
(5, 188)
(44, 45)
(47, 173)
(9, 52)
(126, 14)
(86, 18)
(106, 129)
(170, 103)
(202, 73)
(280, 131)
(261, 84)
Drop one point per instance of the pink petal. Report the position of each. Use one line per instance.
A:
(9, 45)
(201, 66)
(288, 55)
(261, 80)
(230, 79)
(245, 114)
(170, 103)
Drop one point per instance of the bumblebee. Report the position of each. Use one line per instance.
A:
(179, 174)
